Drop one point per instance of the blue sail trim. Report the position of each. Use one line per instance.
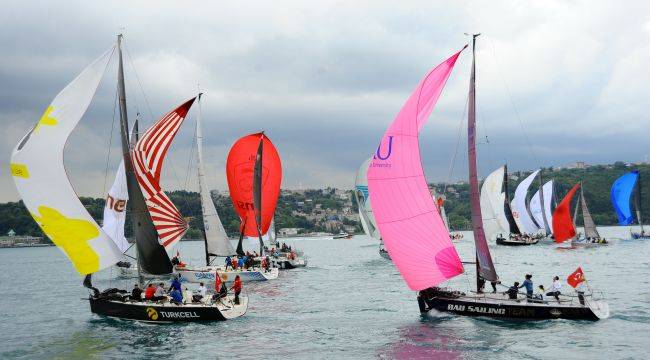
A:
(622, 190)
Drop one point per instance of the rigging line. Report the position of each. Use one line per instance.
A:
(110, 142)
(505, 84)
(458, 137)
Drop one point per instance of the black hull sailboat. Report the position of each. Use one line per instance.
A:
(516, 241)
(168, 312)
(500, 307)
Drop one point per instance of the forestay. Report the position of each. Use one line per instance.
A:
(413, 232)
(39, 173)
(520, 208)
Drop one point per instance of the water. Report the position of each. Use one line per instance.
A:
(349, 303)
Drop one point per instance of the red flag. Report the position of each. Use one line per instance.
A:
(576, 278)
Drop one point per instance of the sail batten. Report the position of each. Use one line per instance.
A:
(39, 174)
(411, 227)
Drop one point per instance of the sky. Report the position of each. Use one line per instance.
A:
(557, 82)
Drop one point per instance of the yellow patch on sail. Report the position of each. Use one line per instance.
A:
(19, 170)
(46, 119)
(71, 235)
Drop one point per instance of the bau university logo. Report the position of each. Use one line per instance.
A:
(152, 313)
(384, 151)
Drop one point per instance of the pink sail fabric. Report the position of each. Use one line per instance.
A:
(148, 155)
(413, 231)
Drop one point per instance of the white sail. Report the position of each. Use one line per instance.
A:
(548, 200)
(114, 209)
(492, 204)
(535, 207)
(520, 209)
(363, 202)
(217, 243)
(445, 220)
(39, 173)
(272, 236)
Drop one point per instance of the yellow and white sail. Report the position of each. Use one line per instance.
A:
(39, 173)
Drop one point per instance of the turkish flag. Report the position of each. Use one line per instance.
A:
(576, 278)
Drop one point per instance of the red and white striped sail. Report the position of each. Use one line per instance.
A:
(148, 156)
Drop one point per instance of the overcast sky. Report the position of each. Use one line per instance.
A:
(557, 81)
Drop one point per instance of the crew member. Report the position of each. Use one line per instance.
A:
(136, 293)
(513, 291)
(149, 292)
(528, 284)
(555, 288)
(236, 287)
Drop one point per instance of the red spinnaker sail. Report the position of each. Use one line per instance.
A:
(240, 168)
(563, 227)
(148, 156)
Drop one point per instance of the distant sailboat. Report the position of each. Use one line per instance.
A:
(217, 243)
(413, 230)
(37, 167)
(564, 225)
(367, 219)
(520, 206)
(622, 191)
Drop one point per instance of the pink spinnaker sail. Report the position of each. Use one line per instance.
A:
(413, 231)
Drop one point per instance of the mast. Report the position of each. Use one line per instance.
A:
(543, 204)
(150, 258)
(257, 191)
(201, 176)
(484, 266)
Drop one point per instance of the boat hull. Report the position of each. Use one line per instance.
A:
(166, 313)
(511, 310)
(206, 275)
(287, 264)
(513, 242)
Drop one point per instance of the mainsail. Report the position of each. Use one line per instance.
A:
(621, 194)
(216, 238)
(148, 156)
(588, 221)
(484, 266)
(41, 180)
(492, 204)
(512, 224)
(413, 232)
(563, 225)
(363, 201)
(520, 207)
(542, 212)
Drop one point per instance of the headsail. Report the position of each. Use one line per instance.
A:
(520, 207)
(115, 206)
(216, 238)
(148, 156)
(492, 201)
(588, 221)
(363, 201)
(621, 194)
(41, 180)
(410, 225)
(548, 202)
(563, 226)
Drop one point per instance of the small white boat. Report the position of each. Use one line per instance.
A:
(287, 261)
(207, 274)
(342, 235)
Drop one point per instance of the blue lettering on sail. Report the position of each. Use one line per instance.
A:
(390, 150)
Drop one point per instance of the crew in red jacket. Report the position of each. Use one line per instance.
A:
(236, 287)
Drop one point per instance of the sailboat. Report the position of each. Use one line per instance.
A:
(564, 229)
(364, 204)
(414, 232)
(622, 191)
(217, 244)
(37, 167)
(520, 208)
(540, 207)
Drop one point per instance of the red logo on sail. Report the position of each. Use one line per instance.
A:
(576, 278)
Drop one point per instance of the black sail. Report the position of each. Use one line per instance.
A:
(514, 229)
(152, 257)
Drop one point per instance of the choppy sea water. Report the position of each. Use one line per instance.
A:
(349, 303)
